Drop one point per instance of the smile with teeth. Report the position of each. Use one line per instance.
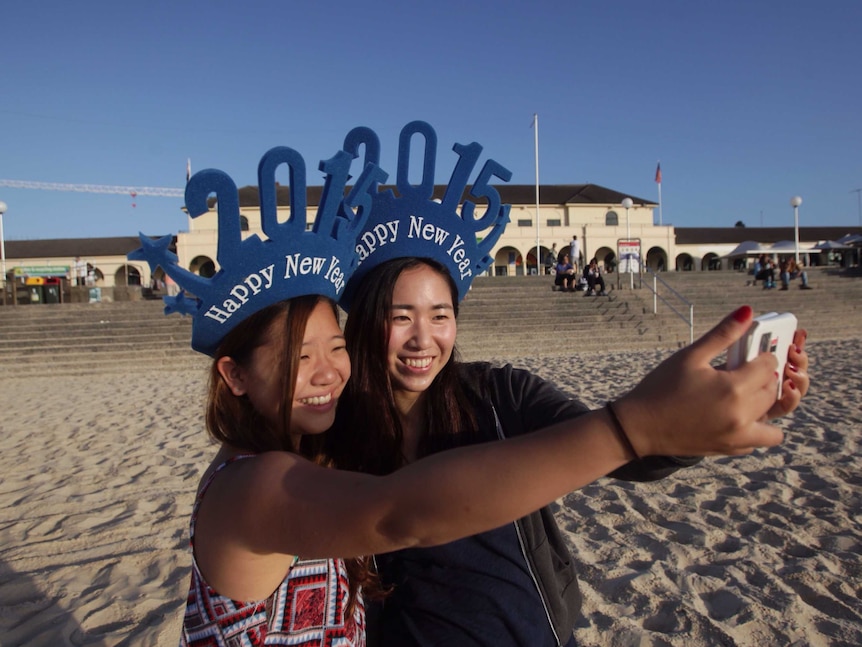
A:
(317, 400)
(418, 362)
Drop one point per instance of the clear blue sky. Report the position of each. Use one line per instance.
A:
(745, 102)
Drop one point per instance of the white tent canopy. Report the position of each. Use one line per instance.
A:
(853, 240)
(746, 248)
(826, 245)
(753, 248)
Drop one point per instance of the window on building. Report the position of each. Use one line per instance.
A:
(554, 222)
(612, 219)
(524, 222)
(243, 223)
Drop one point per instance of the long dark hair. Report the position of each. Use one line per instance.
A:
(234, 421)
(368, 434)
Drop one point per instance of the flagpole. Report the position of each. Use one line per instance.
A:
(658, 181)
(538, 243)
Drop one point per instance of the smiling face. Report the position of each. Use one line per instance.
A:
(324, 368)
(421, 332)
(323, 371)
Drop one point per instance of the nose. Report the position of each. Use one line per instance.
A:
(420, 334)
(325, 371)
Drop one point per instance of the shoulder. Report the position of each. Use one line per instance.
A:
(497, 381)
(488, 371)
(242, 477)
(474, 373)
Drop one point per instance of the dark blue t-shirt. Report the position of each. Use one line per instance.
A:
(469, 592)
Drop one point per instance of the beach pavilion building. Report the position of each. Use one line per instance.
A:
(605, 228)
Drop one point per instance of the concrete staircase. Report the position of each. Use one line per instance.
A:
(114, 337)
(502, 317)
(832, 309)
(522, 317)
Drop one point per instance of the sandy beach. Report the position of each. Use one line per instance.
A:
(99, 471)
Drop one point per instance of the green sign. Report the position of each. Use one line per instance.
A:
(41, 270)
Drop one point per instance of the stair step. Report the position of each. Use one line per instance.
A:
(501, 317)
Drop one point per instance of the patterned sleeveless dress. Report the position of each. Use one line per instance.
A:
(307, 609)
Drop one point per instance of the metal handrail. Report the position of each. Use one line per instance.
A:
(656, 296)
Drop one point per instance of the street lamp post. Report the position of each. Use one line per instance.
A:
(627, 204)
(795, 201)
(3, 249)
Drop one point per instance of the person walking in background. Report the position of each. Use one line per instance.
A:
(551, 258)
(80, 271)
(575, 252)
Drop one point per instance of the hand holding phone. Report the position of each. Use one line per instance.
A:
(769, 333)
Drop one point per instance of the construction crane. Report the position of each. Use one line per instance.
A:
(134, 191)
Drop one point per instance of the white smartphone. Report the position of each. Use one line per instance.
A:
(769, 333)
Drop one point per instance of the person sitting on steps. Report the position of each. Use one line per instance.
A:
(764, 270)
(593, 274)
(565, 277)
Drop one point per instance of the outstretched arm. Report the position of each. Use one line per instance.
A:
(287, 506)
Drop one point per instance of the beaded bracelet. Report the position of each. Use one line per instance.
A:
(618, 428)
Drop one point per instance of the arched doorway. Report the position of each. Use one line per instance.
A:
(532, 266)
(684, 263)
(711, 262)
(656, 259)
(203, 266)
(606, 257)
(127, 275)
(506, 261)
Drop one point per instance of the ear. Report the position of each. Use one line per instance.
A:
(233, 375)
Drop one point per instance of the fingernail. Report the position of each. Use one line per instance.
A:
(797, 349)
(742, 314)
(792, 367)
(792, 386)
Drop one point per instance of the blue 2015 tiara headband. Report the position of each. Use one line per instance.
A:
(351, 235)
(291, 262)
(416, 224)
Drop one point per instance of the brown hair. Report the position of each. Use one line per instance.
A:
(369, 396)
(234, 421)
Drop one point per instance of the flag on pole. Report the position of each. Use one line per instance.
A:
(188, 169)
(658, 173)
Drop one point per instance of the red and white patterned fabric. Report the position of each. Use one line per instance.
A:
(307, 609)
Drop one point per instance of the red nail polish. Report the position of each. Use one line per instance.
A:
(742, 314)
(792, 367)
(792, 386)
